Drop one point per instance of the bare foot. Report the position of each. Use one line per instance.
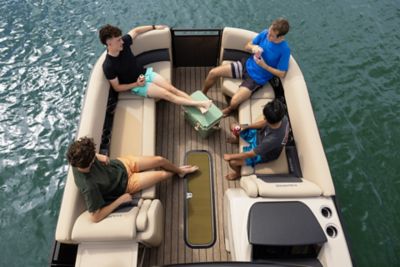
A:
(232, 176)
(206, 106)
(186, 169)
(226, 112)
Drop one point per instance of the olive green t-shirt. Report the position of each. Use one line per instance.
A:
(103, 184)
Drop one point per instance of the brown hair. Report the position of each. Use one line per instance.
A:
(81, 152)
(107, 32)
(280, 25)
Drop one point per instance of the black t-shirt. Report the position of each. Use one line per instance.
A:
(124, 66)
(271, 141)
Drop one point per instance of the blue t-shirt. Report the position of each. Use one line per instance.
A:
(275, 55)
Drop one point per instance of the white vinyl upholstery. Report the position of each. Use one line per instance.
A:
(143, 223)
(235, 39)
(133, 133)
(116, 226)
(313, 162)
(316, 178)
(255, 187)
(316, 175)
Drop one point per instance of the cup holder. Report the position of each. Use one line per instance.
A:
(331, 231)
(326, 212)
(105, 141)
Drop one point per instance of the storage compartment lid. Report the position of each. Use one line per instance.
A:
(283, 224)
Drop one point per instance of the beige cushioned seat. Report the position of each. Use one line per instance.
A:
(133, 133)
(143, 223)
(255, 187)
(316, 178)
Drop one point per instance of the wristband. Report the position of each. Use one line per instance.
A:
(154, 26)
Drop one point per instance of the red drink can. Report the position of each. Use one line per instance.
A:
(236, 130)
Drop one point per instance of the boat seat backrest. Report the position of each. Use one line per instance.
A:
(152, 41)
(154, 49)
(313, 162)
(233, 43)
(91, 124)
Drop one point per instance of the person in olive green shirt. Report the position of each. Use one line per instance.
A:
(106, 184)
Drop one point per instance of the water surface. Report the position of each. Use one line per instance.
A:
(348, 52)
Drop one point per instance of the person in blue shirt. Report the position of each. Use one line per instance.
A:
(271, 58)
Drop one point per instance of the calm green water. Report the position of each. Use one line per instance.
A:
(348, 52)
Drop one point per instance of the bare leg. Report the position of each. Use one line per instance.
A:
(150, 178)
(161, 82)
(238, 98)
(236, 166)
(151, 162)
(156, 91)
(214, 74)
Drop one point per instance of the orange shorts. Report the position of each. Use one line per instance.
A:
(132, 169)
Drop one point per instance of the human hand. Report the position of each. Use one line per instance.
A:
(103, 159)
(227, 157)
(259, 61)
(255, 49)
(160, 27)
(243, 127)
(141, 81)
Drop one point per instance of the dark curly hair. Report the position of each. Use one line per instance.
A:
(274, 111)
(81, 152)
(107, 32)
(281, 25)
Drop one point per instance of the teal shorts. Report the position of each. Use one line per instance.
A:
(142, 90)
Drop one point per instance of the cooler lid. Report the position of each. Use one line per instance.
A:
(207, 119)
(283, 224)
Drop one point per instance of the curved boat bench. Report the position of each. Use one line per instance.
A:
(132, 132)
(300, 174)
(315, 175)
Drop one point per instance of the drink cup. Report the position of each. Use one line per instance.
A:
(257, 55)
(236, 130)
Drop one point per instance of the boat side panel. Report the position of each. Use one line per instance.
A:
(313, 162)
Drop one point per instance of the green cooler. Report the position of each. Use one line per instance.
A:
(205, 123)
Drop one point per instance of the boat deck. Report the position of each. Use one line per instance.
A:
(174, 138)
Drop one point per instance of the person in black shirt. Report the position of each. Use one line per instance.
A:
(266, 139)
(124, 73)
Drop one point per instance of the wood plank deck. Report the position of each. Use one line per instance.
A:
(174, 138)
